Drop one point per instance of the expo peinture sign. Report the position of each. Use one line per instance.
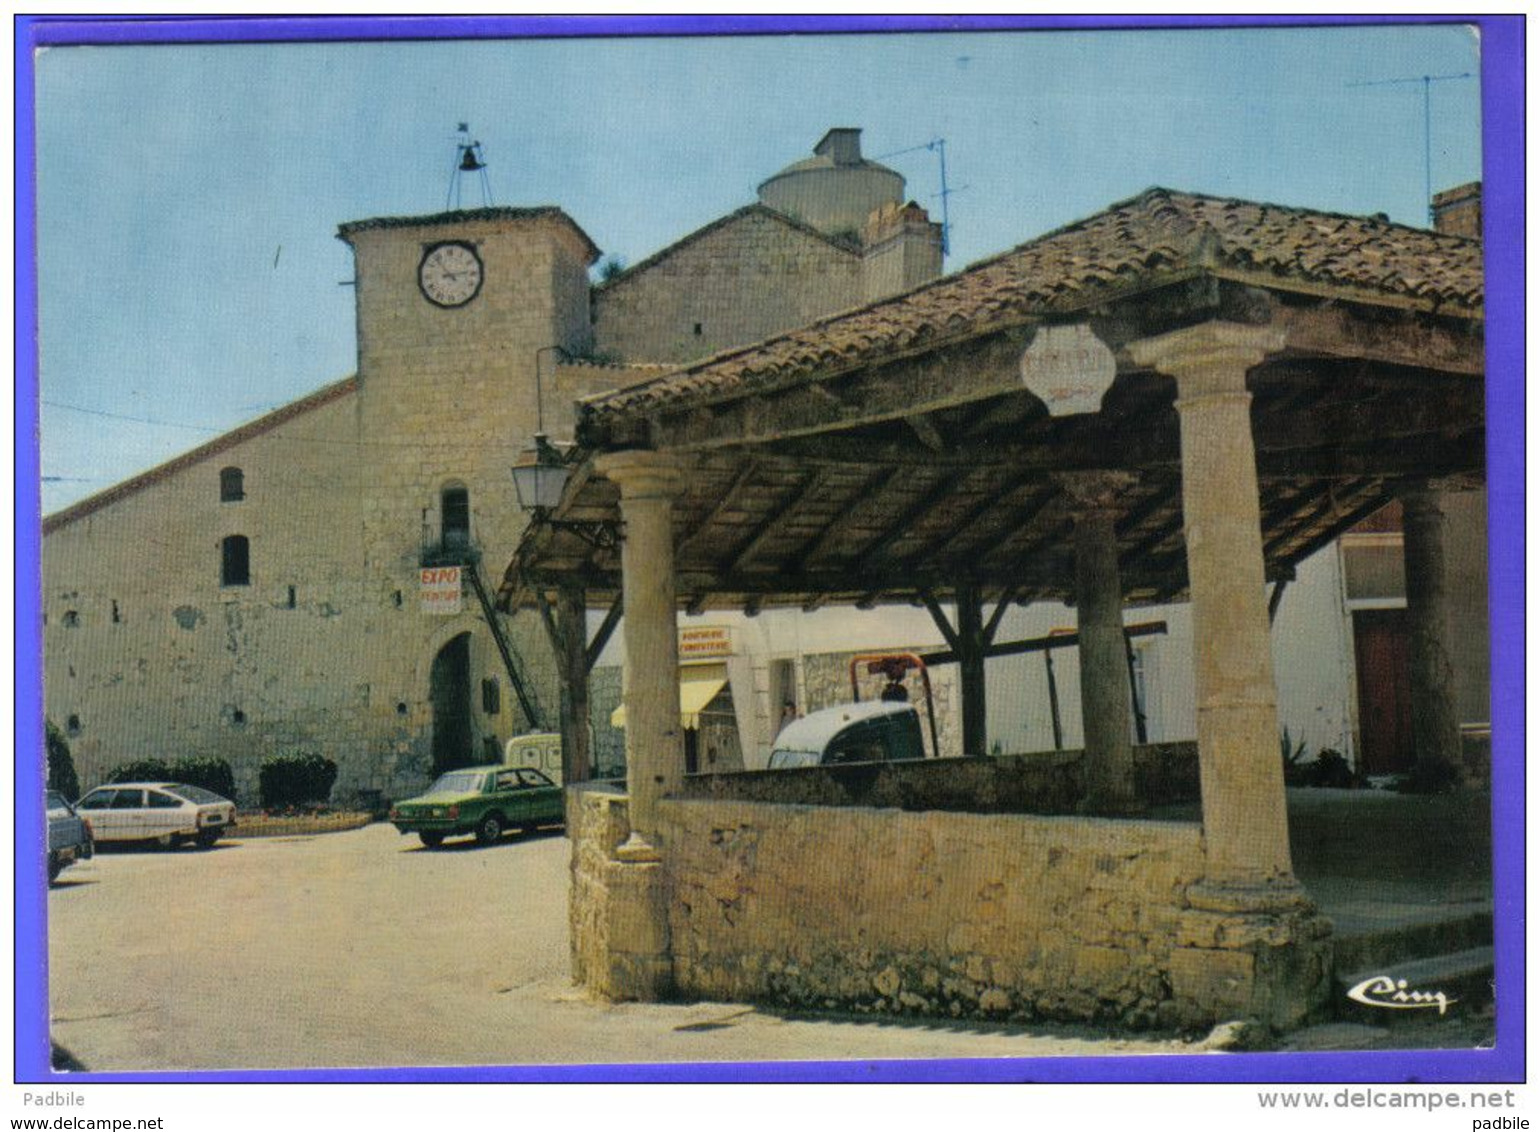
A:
(439, 589)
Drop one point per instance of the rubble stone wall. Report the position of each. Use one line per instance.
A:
(960, 915)
(1051, 782)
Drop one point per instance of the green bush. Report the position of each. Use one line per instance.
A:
(209, 773)
(289, 781)
(142, 770)
(61, 765)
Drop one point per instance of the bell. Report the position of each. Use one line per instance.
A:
(470, 163)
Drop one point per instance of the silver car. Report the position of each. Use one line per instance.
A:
(69, 837)
(167, 813)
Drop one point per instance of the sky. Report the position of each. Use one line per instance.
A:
(189, 278)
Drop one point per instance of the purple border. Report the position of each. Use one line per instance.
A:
(1503, 195)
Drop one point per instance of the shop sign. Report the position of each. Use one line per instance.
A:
(705, 642)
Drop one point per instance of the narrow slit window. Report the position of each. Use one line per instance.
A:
(232, 485)
(235, 561)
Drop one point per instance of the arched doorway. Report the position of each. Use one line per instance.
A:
(449, 690)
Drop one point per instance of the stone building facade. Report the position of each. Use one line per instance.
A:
(263, 593)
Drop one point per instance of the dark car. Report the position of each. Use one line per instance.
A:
(69, 835)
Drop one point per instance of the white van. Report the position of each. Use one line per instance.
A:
(542, 750)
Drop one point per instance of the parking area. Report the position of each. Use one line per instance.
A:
(363, 949)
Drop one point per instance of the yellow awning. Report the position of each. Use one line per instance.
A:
(698, 686)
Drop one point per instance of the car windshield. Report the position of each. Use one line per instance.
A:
(459, 782)
(194, 794)
(56, 801)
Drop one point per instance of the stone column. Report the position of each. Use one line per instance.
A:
(1104, 687)
(648, 482)
(1435, 720)
(1244, 821)
(1251, 943)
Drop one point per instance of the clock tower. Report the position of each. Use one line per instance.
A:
(454, 313)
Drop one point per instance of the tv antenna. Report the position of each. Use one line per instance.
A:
(468, 160)
(938, 147)
(1427, 82)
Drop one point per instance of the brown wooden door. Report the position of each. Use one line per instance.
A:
(1384, 691)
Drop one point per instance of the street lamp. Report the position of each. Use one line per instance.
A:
(540, 476)
(541, 473)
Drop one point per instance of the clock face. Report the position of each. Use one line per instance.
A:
(450, 274)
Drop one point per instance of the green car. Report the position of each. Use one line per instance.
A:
(483, 800)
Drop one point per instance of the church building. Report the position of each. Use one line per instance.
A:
(317, 580)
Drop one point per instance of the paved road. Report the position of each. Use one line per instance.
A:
(362, 949)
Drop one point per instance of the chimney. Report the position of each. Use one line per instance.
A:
(843, 144)
(1457, 211)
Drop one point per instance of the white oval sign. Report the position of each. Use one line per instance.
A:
(1069, 369)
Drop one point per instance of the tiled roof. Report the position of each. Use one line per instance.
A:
(93, 503)
(733, 217)
(1158, 232)
(462, 216)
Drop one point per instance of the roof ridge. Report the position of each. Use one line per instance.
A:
(227, 439)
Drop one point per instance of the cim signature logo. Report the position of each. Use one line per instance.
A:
(1382, 990)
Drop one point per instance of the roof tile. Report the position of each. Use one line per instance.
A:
(1365, 258)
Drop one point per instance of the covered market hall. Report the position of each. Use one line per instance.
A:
(1178, 399)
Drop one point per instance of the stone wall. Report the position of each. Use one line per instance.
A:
(746, 279)
(327, 649)
(1046, 783)
(958, 915)
(147, 655)
(604, 695)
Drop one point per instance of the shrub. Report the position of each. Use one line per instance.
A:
(141, 770)
(288, 781)
(61, 765)
(1296, 772)
(209, 773)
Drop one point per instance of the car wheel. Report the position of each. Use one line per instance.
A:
(207, 838)
(489, 829)
(168, 841)
(431, 840)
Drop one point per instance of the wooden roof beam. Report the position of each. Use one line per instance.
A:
(770, 526)
(873, 486)
(902, 526)
(728, 501)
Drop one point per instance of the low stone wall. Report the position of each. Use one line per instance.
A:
(962, 915)
(955, 915)
(616, 909)
(1047, 783)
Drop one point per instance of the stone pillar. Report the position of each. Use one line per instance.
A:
(1435, 720)
(1251, 943)
(1104, 687)
(649, 482)
(1244, 826)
